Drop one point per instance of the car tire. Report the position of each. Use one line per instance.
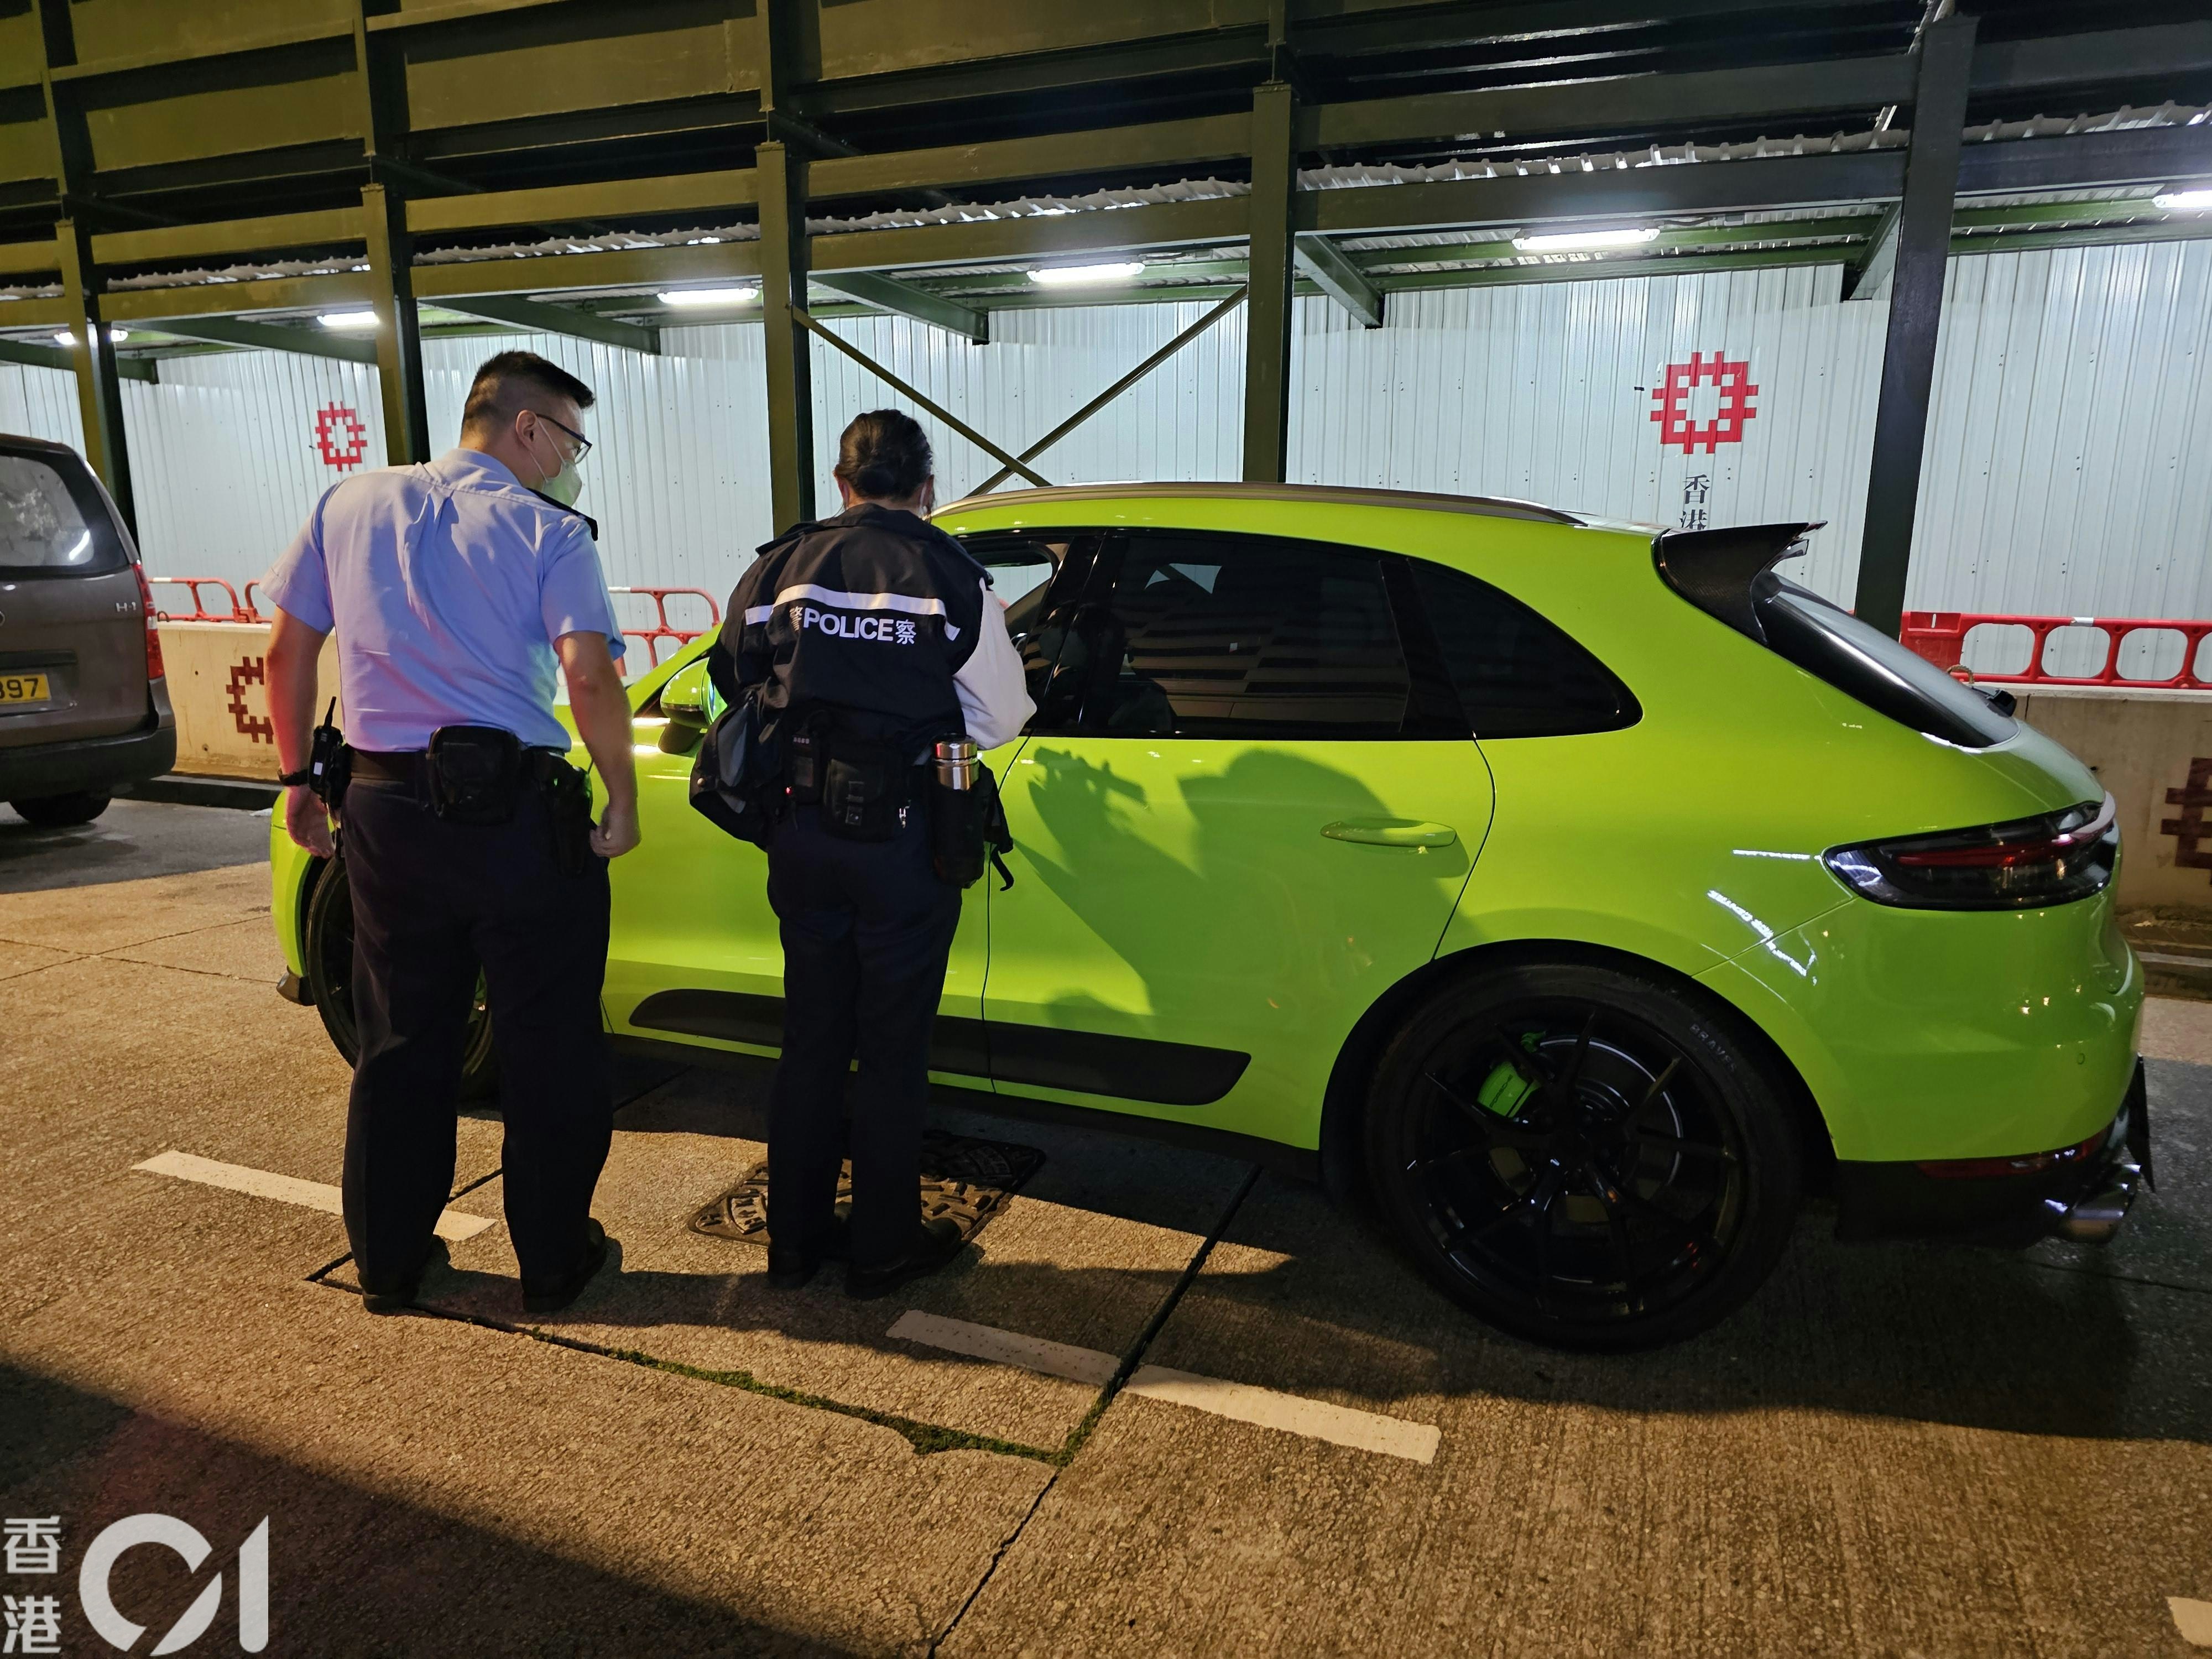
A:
(327, 946)
(61, 812)
(1584, 1156)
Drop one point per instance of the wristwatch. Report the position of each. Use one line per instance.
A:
(294, 779)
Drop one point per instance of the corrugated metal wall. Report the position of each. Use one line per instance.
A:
(2066, 467)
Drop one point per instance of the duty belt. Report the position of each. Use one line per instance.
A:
(408, 765)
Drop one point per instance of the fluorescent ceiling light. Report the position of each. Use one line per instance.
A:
(2184, 201)
(1072, 275)
(348, 319)
(68, 336)
(709, 296)
(1571, 241)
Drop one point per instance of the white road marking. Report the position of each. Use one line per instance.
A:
(1315, 1419)
(2192, 1618)
(452, 1225)
(1031, 1353)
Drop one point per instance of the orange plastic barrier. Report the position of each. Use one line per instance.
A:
(1940, 637)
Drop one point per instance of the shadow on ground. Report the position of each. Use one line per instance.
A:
(1301, 1297)
(351, 1571)
(131, 841)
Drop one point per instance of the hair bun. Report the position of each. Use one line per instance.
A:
(885, 455)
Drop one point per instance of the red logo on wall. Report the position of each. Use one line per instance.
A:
(255, 728)
(1734, 381)
(341, 436)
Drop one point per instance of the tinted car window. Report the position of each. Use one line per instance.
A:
(1857, 658)
(1516, 675)
(1248, 636)
(51, 525)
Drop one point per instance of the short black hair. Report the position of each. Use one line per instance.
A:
(884, 455)
(503, 383)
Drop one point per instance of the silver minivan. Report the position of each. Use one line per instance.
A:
(83, 707)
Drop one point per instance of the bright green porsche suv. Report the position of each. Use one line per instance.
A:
(1584, 895)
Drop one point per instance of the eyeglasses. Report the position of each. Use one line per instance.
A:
(583, 444)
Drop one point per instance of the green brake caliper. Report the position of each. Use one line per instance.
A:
(1507, 1087)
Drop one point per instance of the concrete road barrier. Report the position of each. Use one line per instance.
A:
(218, 686)
(2152, 749)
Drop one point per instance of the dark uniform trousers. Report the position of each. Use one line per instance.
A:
(867, 929)
(431, 902)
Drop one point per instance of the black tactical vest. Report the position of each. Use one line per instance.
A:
(870, 613)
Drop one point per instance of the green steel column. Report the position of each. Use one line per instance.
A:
(790, 368)
(1267, 336)
(399, 333)
(1916, 309)
(99, 387)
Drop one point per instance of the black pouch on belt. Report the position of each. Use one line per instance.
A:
(475, 774)
(568, 806)
(865, 791)
(968, 828)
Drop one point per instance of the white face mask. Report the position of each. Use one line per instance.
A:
(565, 485)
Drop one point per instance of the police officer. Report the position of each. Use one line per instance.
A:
(872, 636)
(454, 588)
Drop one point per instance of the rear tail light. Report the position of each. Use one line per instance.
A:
(154, 668)
(2052, 860)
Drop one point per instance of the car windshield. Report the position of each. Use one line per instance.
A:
(50, 526)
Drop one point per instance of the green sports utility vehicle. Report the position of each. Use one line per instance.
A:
(1585, 894)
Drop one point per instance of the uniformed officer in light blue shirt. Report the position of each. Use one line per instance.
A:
(454, 588)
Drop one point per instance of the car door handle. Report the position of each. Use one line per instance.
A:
(1391, 832)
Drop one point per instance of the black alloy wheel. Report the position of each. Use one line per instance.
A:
(62, 811)
(1582, 1156)
(328, 949)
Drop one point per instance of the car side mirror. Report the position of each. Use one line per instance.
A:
(687, 702)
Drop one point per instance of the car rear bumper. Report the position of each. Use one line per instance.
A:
(100, 764)
(2081, 1193)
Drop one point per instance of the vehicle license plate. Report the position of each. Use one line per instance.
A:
(24, 687)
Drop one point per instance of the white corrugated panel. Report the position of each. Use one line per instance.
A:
(2069, 459)
(2070, 425)
(1545, 391)
(40, 402)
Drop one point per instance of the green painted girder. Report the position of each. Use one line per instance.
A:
(65, 360)
(1159, 224)
(340, 291)
(230, 236)
(1045, 155)
(553, 204)
(1679, 264)
(889, 294)
(311, 342)
(1320, 262)
(1613, 105)
(2179, 229)
(570, 320)
(643, 268)
(30, 258)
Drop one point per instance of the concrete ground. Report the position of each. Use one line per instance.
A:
(1893, 1450)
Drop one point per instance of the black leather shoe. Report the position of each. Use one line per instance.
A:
(550, 1296)
(382, 1296)
(790, 1270)
(935, 1244)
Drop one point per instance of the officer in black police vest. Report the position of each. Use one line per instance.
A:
(872, 636)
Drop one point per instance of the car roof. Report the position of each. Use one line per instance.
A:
(1493, 506)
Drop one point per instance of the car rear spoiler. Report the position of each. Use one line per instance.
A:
(1718, 570)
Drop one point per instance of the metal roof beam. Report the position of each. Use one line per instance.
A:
(62, 359)
(559, 319)
(2056, 60)
(271, 337)
(1159, 224)
(1337, 277)
(1861, 281)
(630, 267)
(1778, 181)
(2136, 155)
(1045, 155)
(889, 294)
(554, 204)
(1618, 104)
